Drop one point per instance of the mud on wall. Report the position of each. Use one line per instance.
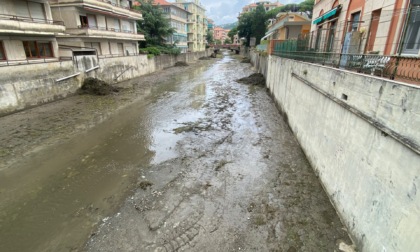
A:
(24, 86)
(361, 136)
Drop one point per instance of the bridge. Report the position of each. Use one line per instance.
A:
(231, 47)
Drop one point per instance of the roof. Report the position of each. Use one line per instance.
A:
(161, 2)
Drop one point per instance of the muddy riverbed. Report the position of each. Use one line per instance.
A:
(184, 159)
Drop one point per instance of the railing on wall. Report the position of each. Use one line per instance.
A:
(401, 68)
(30, 20)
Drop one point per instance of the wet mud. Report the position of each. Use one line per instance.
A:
(190, 160)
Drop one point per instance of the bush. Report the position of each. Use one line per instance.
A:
(158, 50)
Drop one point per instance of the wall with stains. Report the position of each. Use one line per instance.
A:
(361, 135)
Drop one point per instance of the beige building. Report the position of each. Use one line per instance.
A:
(178, 18)
(288, 25)
(267, 6)
(108, 27)
(28, 32)
(197, 24)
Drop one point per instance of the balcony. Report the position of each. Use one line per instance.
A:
(103, 32)
(100, 5)
(12, 24)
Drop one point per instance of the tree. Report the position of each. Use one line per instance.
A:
(305, 6)
(232, 33)
(252, 24)
(218, 42)
(227, 41)
(155, 26)
(209, 37)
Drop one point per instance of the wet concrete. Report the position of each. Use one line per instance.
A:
(197, 163)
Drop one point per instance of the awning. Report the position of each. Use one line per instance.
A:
(266, 36)
(328, 15)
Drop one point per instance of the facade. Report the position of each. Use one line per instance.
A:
(197, 24)
(179, 20)
(288, 26)
(220, 34)
(359, 26)
(267, 6)
(107, 27)
(28, 32)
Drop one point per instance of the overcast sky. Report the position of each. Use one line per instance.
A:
(226, 11)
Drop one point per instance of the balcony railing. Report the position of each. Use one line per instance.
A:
(124, 6)
(30, 20)
(99, 28)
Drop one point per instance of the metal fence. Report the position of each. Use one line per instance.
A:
(357, 46)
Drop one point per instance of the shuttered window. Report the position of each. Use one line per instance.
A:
(21, 8)
(95, 45)
(92, 21)
(117, 25)
(38, 49)
(126, 26)
(2, 52)
(36, 10)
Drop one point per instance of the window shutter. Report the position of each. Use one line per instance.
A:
(37, 10)
(21, 9)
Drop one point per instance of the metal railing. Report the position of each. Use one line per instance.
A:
(30, 20)
(104, 29)
(28, 61)
(401, 68)
(127, 6)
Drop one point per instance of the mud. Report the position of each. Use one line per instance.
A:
(246, 60)
(254, 79)
(95, 86)
(189, 159)
(181, 64)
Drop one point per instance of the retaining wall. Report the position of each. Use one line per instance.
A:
(361, 135)
(23, 86)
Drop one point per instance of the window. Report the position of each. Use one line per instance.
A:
(411, 43)
(84, 21)
(2, 51)
(95, 45)
(30, 9)
(36, 49)
(355, 20)
(92, 21)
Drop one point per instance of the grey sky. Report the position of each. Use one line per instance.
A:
(226, 11)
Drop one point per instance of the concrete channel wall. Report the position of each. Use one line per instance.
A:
(24, 86)
(361, 135)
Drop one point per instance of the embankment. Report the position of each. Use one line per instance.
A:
(23, 86)
(361, 135)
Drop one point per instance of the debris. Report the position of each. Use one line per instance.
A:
(253, 79)
(96, 86)
(181, 64)
(145, 184)
(246, 60)
(205, 58)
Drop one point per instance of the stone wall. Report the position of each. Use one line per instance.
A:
(361, 135)
(23, 86)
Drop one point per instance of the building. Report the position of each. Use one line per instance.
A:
(179, 20)
(267, 6)
(197, 24)
(107, 27)
(220, 34)
(288, 26)
(28, 32)
(360, 26)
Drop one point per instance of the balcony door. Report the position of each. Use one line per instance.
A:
(92, 21)
(411, 43)
(30, 9)
(37, 10)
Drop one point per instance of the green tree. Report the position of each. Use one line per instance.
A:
(232, 33)
(209, 37)
(155, 26)
(228, 41)
(218, 42)
(305, 6)
(253, 24)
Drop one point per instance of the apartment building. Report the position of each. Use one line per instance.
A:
(267, 6)
(360, 26)
(178, 18)
(197, 24)
(28, 32)
(108, 27)
(220, 34)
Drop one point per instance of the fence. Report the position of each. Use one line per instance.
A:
(358, 46)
